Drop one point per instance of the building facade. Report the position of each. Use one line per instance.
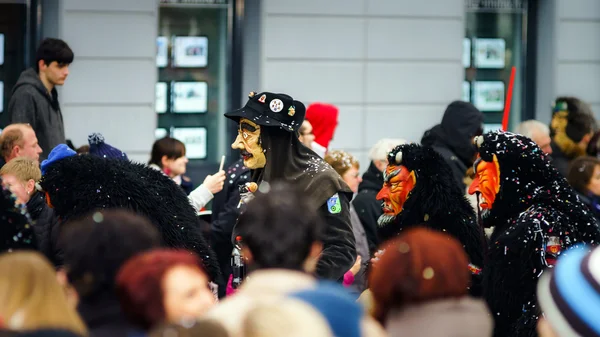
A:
(391, 66)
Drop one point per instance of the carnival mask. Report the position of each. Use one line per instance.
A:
(398, 182)
(486, 182)
(248, 142)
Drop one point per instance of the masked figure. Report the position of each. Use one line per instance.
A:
(536, 216)
(268, 140)
(419, 189)
(76, 185)
(572, 127)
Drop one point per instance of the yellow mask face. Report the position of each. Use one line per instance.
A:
(248, 142)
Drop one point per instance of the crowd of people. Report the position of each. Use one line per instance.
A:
(465, 233)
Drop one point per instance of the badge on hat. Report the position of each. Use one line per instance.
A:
(276, 105)
(251, 94)
(262, 98)
(292, 111)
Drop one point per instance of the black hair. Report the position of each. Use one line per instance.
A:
(167, 146)
(581, 171)
(96, 245)
(51, 50)
(279, 227)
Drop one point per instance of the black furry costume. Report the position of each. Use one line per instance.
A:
(80, 184)
(16, 227)
(533, 204)
(436, 201)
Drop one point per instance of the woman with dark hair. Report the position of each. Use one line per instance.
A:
(168, 156)
(163, 286)
(420, 288)
(584, 177)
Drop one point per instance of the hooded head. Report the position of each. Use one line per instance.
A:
(513, 173)
(324, 119)
(77, 185)
(461, 122)
(418, 186)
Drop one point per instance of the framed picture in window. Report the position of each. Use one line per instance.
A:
(161, 98)
(1, 49)
(190, 51)
(466, 53)
(488, 95)
(490, 53)
(162, 51)
(189, 97)
(160, 133)
(1, 96)
(194, 140)
(491, 127)
(466, 91)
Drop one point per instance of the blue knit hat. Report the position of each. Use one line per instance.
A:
(570, 296)
(340, 309)
(100, 149)
(59, 152)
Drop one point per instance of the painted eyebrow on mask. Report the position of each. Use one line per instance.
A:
(246, 126)
(386, 177)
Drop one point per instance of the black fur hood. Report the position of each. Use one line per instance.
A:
(436, 200)
(527, 178)
(77, 185)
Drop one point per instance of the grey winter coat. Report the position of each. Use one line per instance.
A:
(31, 103)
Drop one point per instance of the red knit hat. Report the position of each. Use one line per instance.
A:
(324, 120)
(418, 266)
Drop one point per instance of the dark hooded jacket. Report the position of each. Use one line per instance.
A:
(367, 206)
(453, 137)
(436, 202)
(534, 207)
(288, 160)
(78, 185)
(31, 103)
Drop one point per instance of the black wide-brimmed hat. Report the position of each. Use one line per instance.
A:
(270, 109)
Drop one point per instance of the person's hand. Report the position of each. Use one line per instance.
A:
(215, 182)
(356, 267)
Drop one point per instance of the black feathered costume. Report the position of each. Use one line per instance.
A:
(16, 226)
(78, 184)
(534, 209)
(435, 201)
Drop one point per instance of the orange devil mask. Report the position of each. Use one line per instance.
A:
(398, 182)
(486, 182)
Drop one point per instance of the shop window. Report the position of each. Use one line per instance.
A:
(495, 41)
(192, 87)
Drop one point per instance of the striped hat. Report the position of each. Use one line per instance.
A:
(570, 296)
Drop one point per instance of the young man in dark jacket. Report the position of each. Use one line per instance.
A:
(268, 139)
(34, 98)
